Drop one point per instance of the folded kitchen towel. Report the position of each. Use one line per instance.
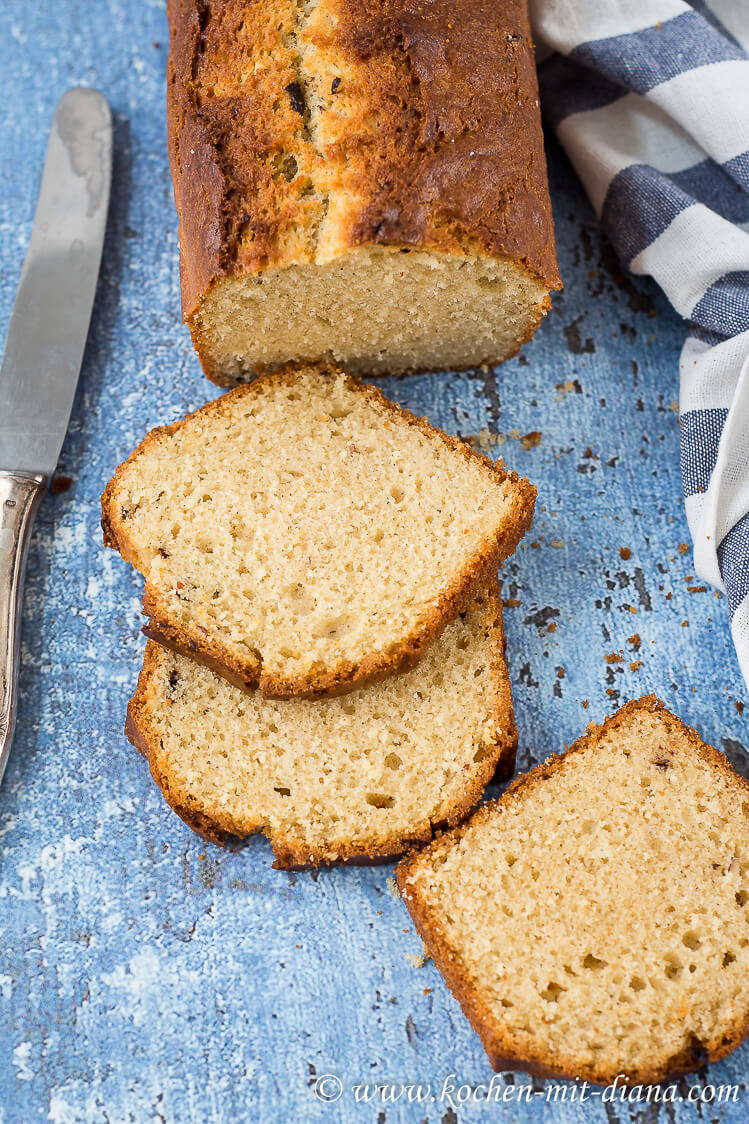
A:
(650, 99)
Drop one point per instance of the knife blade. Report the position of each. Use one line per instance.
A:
(49, 322)
(44, 348)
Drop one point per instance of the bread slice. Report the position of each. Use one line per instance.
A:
(305, 535)
(354, 778)
(594, 921)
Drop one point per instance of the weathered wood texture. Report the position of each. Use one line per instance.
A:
(146, 977)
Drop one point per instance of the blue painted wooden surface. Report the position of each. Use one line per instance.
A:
(145, 976)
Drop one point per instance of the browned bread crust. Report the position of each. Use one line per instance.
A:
(440, 147)
(346, 676)
(503, 1050)
(294, 852)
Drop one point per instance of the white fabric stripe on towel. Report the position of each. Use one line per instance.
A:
(734, 15)
(675, 259)
(603, 142)
(722, 135)
(712, 514)
(740, 633)
(709, 374)
(559, 24)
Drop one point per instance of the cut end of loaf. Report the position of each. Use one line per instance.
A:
(355, 779)
(361, 182)
(305, 535)
(594, 921)
(376, 311)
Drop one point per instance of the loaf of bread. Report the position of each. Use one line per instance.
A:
(594, 921)
(360, 777)
(305, 535)
(358, 180)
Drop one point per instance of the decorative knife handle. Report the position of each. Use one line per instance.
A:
(19, 499)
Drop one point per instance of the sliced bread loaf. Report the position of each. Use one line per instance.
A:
(354, 778)
(594, 921)
(362, 181)
(305, 535)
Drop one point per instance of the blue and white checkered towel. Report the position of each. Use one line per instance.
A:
(650, 99)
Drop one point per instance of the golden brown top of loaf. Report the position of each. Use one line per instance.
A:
(300, 129)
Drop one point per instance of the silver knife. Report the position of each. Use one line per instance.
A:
(44, 348)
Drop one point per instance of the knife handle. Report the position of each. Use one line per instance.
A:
(19, 498)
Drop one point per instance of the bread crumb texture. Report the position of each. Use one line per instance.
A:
(358, 777)
(358, 181)
(594, 921)
(305, 534)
